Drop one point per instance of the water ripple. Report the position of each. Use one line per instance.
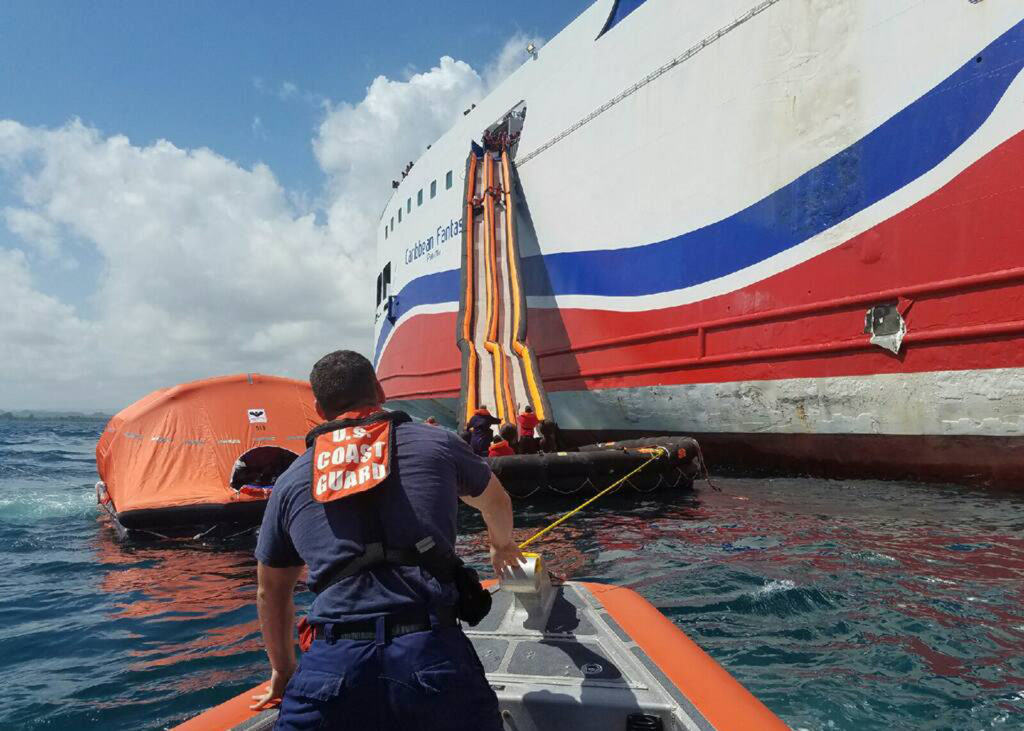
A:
(845, 605)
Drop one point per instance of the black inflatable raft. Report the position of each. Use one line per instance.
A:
(596, 466)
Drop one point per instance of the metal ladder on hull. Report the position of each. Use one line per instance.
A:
(499, 369)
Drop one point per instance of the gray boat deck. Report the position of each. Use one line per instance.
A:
(579, 670)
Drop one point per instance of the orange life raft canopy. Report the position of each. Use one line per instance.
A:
(170, 459)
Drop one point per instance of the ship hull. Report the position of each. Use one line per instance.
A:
(836, 427)
(717, 274)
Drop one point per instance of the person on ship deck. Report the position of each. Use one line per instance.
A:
(385, 649)
(480, 427)
(527, 422)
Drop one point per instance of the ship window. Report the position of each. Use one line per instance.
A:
(419, 197)
(433, 188)
(379, 283)
(392, 223)
(448, 180)
(385, 283)
(408, 205)
(399, 215)
(385, 233)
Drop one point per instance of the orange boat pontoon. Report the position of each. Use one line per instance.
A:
(579, 655)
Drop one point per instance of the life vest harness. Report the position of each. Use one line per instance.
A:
(358, 435)
(430, 558)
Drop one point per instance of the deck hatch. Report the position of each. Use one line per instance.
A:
(491, 652)
(569, 659)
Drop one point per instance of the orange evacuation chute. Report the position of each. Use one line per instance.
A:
(177, 446)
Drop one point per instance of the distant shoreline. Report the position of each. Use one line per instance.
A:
(32, 415)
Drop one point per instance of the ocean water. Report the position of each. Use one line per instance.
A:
(842, 605)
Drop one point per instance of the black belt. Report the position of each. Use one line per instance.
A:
(396, 625)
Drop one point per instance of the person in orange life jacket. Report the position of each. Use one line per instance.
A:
(387, 651)
(504, 442)
(479, 426)
(527, 421)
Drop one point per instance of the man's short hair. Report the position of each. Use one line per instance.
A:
(342, 380)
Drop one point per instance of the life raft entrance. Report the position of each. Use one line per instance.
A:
(499, 369)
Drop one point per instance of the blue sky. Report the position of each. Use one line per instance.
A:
(160, 162)
(198, 73)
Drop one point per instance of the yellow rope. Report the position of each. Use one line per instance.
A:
(658, 452)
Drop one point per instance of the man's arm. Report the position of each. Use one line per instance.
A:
(495, 506)
(276, 586)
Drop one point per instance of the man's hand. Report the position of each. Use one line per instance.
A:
(274, 691)
(505, 557)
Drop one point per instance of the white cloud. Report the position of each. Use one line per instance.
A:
(362, 147)
(35, 230)
(207, 267)
(202, 259)
(289, 90)
(259, 130)
(42, 338)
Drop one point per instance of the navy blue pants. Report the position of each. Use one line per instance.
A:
(429, 680)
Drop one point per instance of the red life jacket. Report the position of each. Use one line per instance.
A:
(500, 449)
(527, 422)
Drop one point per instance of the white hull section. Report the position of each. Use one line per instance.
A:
(977, 403)
(987, 403)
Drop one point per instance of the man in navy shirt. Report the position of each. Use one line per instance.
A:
(388, 652)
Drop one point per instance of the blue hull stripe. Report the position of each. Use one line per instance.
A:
(620, 10)
(903, 148)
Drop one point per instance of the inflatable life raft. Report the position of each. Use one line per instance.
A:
(201, 455)
(674, 463)
(579, 655)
